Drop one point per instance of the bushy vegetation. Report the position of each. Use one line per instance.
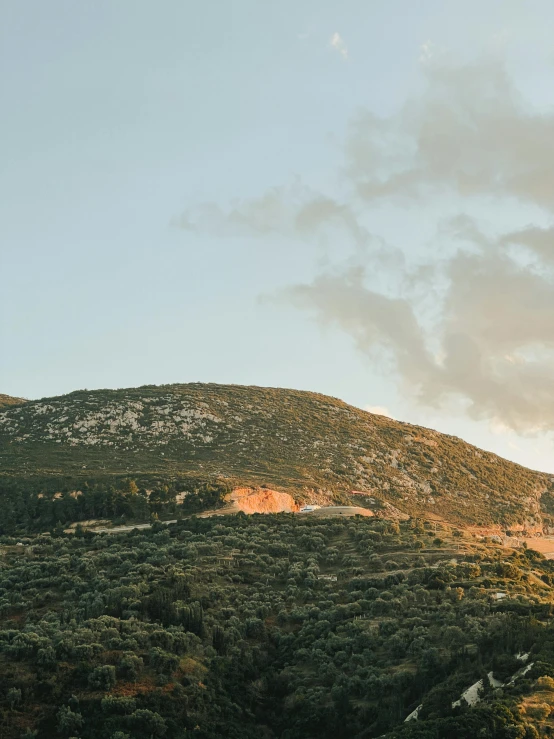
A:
(272, 626)
(298, 442)
(56, 504)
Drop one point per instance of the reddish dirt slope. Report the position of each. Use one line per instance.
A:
(262, 500)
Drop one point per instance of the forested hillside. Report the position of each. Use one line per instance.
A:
(281, 627)
(95, 449)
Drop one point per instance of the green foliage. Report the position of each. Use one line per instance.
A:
(68, 721)
(280, 626)
(102, 678)
(14, 697)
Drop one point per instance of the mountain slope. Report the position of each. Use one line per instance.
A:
(300, 442)
(8, 400)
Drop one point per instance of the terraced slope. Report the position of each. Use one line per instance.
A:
(310, 445)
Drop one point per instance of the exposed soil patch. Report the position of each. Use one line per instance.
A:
(542, 544)
(262, 500)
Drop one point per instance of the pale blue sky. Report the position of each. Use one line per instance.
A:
(119, 116)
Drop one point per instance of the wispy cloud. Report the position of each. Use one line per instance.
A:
(469, 131)
(489, 345)
(337, 43)
(492, 307)
(426, 52)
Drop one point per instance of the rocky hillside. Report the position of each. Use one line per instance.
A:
(309, 445)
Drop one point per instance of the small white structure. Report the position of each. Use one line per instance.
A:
(414, 715)
(473, 694)
(309, 508)
(521, 673)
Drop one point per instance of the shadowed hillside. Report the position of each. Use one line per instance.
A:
(300, 442)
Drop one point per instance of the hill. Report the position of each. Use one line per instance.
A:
(8, 400)
(312, 446)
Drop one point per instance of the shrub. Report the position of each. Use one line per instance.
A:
(68, 721)
(102, 678)
(539, 711)
(545, 682)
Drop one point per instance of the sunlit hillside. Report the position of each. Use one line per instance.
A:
(303, 443)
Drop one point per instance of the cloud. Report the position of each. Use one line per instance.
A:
(494, 332)
(337, 43)
(474, 325)
(426, 52)
(492, 343)
(374, 320)
(539, 241)
(469, 131)
(294, 212)
(498, 428)
(379, 410)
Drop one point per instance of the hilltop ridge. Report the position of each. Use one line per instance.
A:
(298, 442)
(8, 400)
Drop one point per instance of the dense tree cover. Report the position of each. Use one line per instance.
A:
(46, 504)
(271, 626)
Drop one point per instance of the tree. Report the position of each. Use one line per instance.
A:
(102, 678)
(147, 724)
(130, 487)
(68, 721)
(130, 666)
(14, 697)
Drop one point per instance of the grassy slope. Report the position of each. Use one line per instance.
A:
(9, 400)
(291, 440)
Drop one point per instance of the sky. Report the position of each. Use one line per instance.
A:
(354, 198)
